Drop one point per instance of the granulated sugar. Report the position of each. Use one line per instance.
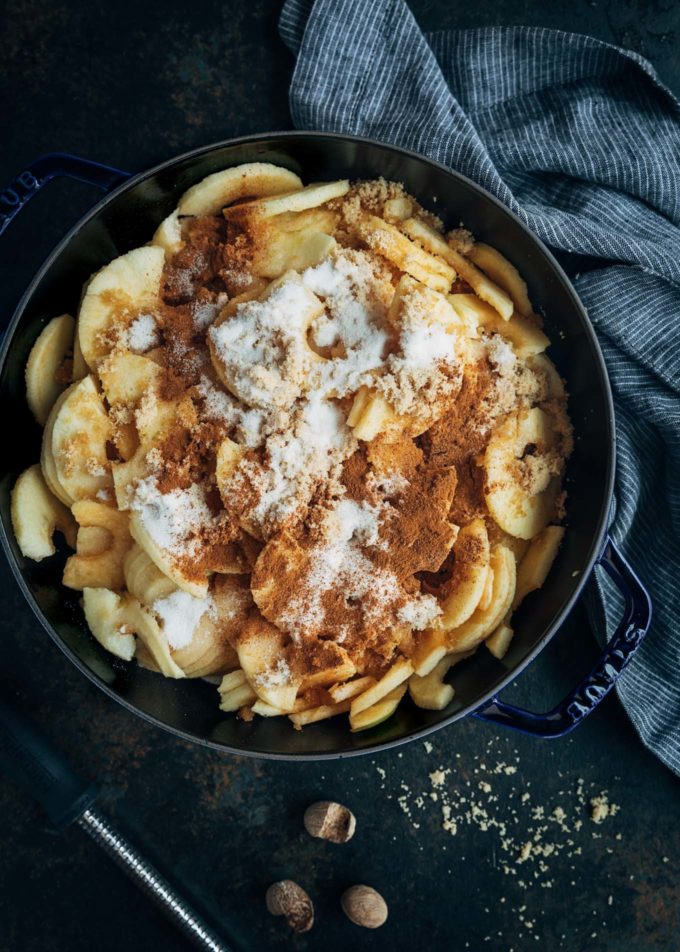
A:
(356, 292)
(501, 354)
(263, 347)
(314, 439)
(220, 405)
(427, 367)
(171, 519)
(180, 614)
(420, 613)
(203, 313)
(142, 334)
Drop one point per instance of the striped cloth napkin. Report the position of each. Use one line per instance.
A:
(582, 141)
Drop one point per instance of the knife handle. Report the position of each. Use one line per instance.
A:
(30, 760)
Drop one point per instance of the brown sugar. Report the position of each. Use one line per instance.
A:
(372, 197)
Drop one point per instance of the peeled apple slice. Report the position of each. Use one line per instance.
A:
(430, 691)
(168, 235)
(47, 464)
(482, 622)
(164, 559)
(103, 540)
(526, 338)
(105, 614)
(261, 654)
(399, 672)
(235, 691)
(505, 274)
(126, 378)
(471, 566)
(147, 629)
(144, 579)
(297, 200)
(379, 712)
(253, 180)
(74, 456)
(499, 642)
(295, 250)
(124, 289)
(430, 648)
(387, 240)
(46, 357)
(36, 514)
(483, 286)
(519, 511)
(80, 368)
(537, 562)
(370, 414)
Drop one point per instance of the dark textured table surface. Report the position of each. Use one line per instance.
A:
(131, 84)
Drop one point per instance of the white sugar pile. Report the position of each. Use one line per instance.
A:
(180, 614)
(142, 334)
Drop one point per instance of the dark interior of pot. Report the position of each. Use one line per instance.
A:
(129, 219)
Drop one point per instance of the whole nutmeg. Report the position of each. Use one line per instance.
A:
(364, 906)
(330, 821)
(286, 898)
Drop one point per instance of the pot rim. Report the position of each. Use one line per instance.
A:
(598, 536)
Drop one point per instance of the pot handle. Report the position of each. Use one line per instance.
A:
(53, 165)
(598, 683)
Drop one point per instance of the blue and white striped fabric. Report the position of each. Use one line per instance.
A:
(582, 141)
